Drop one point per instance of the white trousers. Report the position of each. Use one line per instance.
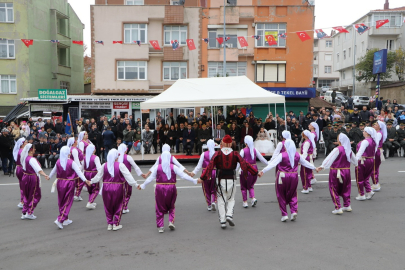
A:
(225, 207)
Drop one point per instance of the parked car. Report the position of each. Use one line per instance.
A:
(339, 95)
(360, 101)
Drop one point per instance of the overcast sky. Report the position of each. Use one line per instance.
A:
(328, 12)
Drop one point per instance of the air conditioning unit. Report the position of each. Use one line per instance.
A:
(253, 25)
(253, 62)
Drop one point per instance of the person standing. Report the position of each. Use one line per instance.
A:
(67, 171)
(339, 176)
(114, 175)
(401, 136)
(129, 162)
(148, 139)
(287, 178)
(208, 187)
(6, 147)
(96, 139)
(307, 151)
(18, 147)
(166, 192)
(42, 150)
(391, 144)
(365, 169)
(226, 162)
(108, 140)
(129, 136)
(333, 95)
(249, 154)
(188, 140)
(30, 183)
(381, 135)
(91, 166)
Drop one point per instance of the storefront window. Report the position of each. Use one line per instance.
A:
(89, 113)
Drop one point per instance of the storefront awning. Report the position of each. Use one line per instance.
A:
(17, 110)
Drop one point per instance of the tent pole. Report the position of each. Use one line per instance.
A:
(212, 123)
(269, 107)
(141, 136)
(285, 117)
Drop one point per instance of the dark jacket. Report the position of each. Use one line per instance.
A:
(172, 134)
(96, 138)
(243, 134)
(155, 135)
(6, 144)
(188, 135)
(364, 115)
(179, 133)
(204, 135)
(55, 148)
(60, 128)
(109, 138)
(42, 148)
(50, 125)
(354, 118)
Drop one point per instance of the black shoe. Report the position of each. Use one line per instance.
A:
(6, 173)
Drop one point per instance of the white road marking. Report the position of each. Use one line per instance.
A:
(11, 184)
(401, 171)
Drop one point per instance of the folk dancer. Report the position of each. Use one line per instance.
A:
(67, 171)
(249, 154)
(173, 160)
(30, 183)
(340, 181)
(91, 166)
(287, 178)
(208, 187)
(77, 156)
(18, 147)
(307, 151)
(114, 175)
(225, 162)
(129, 163)
(381, 136)
(165, 191)
(366, 150)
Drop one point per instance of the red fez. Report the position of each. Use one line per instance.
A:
(227, 139)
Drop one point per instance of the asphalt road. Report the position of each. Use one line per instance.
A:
(370, 237)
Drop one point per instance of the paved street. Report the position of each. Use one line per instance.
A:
(371, 237)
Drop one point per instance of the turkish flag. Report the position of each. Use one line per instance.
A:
(117, 42)
(28, 42)
(242, 42)
(77, 42)
(271, 40)
(380, 23)
(190, 44)
(303, 36)
(340, 29)
(220, 40)
(155, 44)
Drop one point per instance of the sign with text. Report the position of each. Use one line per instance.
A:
(136, 105)
(380, 62)
(121, 105)
(55, 94)
(293, 92)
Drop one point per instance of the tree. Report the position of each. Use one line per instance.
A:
(400, 64)
(365, 67)
(87, 66)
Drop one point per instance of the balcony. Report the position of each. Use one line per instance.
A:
(232, 54)
(63, 40)
(385, 31)
(64, 70)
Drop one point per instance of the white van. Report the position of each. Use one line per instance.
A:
(328, 95)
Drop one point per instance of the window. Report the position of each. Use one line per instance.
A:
(329, 43)
(362, 46)
(270, 72)
(390, 44)
(8, 84)
(328, 57)
(263, 29)
(135, 32)
(62, 24)
(350, 52)
(344, 55)
(343, 75)
(63, 57)
(328, 69)
(132, 70)
(6, 12)
(216, 69)
(395, 19)
(315, 70)
(322, 83)
(7, 49)
(173, 32)
(337, 57)
(64, 85)
(173, 71)
(134, 2)
(213, 43)
(316, 41)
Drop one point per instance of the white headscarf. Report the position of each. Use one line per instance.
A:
(383, 128)
(315, 125)
(291, 150)
(311, 137)
(80, 137)
(286, 134)
(24, 154)
(63, 157)
(373, 134)
(166, 148)
(70, 142)
(111, 157)
(249, 143)
(345, 142)
(122, 149)
(211, 147)
(166, 164)
(89, 151)
(17, 147)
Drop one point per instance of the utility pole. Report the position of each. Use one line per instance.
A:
(354, 61)
(224, 64)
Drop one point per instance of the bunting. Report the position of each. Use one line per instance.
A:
(320, 34)
(190, 44)
(303, 36)
(28, 42)
(117, 42)
(100, 42)
(361, 28)
(138, 42)
(54, 41)
(256, 37)
(340, 29)
(380, 23)
(242, 42)
(220, 40)
(282, 35)
(155, 44)
(205, 40)
(271, 40)
(77, 42)
(175, 44)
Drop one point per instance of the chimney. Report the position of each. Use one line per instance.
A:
(386, 5)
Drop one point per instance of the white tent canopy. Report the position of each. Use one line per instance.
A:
(217, 91)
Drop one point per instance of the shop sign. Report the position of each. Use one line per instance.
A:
(55, 94)
(292, 92)
(94, 98)
(121, 105)
(95, 105)
(46, 108)
(136, 105)
(146, 111)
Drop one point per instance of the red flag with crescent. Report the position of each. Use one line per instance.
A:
(28, 42)
(242, 42)
(380, 23)
(271, 40)
(303, 35)
(190, 44)
(340, 29)
(155, 44)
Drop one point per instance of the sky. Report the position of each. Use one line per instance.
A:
(328, 13)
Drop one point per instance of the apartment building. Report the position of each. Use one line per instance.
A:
(44, 65)
(324, 73)
(350, 47)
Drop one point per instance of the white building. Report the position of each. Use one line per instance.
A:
(324, 72)
(349, 48)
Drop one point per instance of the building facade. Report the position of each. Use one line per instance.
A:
(44, 65)
(324, 72)
(350, 47)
